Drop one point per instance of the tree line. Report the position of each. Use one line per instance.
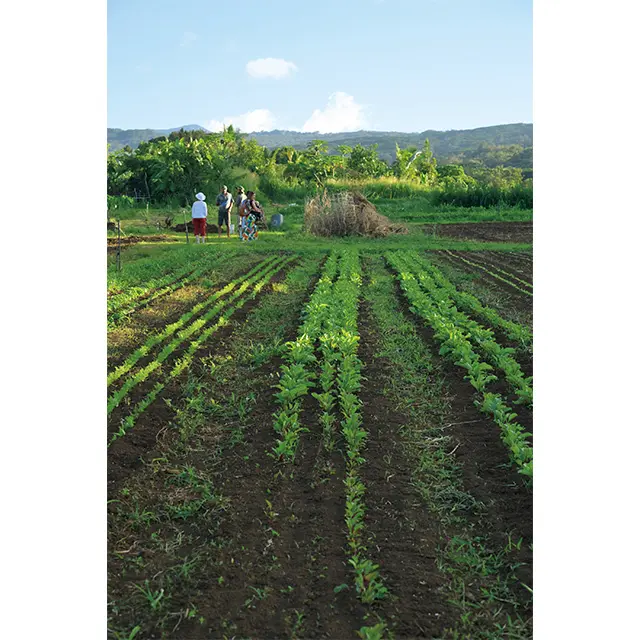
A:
(171, 169)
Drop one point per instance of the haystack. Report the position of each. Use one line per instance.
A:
(346, 213)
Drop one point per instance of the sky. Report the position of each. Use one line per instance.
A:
(326, 66)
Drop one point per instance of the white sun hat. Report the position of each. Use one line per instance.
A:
(200, 196)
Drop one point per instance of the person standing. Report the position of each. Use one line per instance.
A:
(199, 217)
(250, 210)
(225, 204)
(240, 198)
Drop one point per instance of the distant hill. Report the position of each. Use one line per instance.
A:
(120, 138)
(444, 144)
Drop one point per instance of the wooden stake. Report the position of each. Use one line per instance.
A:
(118, 249)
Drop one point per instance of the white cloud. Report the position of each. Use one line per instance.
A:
(257, 120)
(342, 113)
(187, 38)
(270, 68)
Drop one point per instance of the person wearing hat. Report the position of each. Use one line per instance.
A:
(240, 198)
(199, 217)
(225, 204)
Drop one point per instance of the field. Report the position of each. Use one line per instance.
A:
(315, 438)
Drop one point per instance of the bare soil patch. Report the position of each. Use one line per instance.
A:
(484, 231)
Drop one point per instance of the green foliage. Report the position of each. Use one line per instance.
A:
(172, 169)
(479, 195)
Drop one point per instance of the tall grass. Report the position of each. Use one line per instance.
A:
(519, 196)
(390, 188)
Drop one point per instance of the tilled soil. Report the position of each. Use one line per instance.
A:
(404, 534)
(484, 231)
(487, 473)
(125, 241)
(278, 569)
(510, 295)
(124, 453)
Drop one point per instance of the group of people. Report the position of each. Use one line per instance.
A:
(250, 213)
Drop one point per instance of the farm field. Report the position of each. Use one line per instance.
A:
(322, 438)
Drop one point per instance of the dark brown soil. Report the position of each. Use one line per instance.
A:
(300, 565)
(112, 243)
(487, 472)
(511, 295)
(494, 261)
(404, 534)
(484, 231)
(124, 453)
(297, 568)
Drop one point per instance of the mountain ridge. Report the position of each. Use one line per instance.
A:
(443, 143)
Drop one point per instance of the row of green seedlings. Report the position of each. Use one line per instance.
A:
(296, 373)
(501, 357)
(330, 319)
(342, 339)
(517, 333)
(514, 265)
(487, 262)
(182, 363)
(457, 347)
(159, 337)
(491, 273)
(134, 299)
(340, 342)
(496, 267)
(484, 339)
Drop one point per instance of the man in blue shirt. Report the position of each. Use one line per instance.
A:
(225, 204)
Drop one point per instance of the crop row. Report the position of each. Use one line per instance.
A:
(514, 265)
(136, 297)
(296, 375)
(126, 302)
(484, 339)
(328, 340)
(491, 273)
(267, 269)
(159, 337)
(509, 274)
(456, 346)
(519, 334)
(182, 363)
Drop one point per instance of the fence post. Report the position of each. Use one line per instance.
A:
(118, 249)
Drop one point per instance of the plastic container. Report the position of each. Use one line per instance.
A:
(277, 220)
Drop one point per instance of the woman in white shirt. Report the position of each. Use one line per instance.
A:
(199, 217)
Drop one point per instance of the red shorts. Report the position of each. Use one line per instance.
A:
(199, 226)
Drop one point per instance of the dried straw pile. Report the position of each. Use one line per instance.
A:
(346, 214)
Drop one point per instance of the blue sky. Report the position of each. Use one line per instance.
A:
(335, 65)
